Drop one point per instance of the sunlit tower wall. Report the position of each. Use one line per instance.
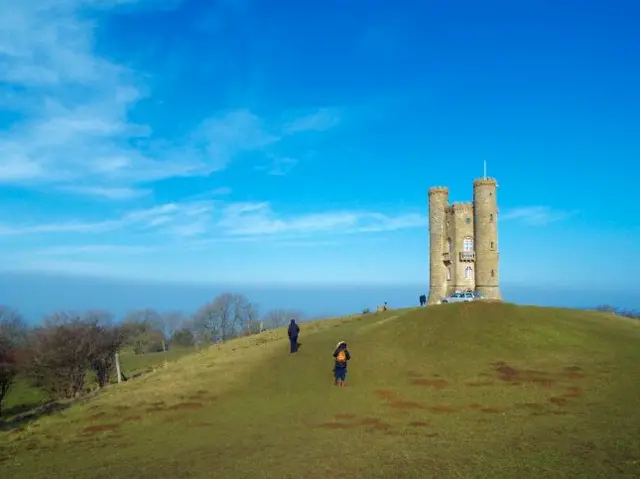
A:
(461, 237)
(485, 206)
(438, 201)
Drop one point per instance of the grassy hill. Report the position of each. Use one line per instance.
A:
(465, 390)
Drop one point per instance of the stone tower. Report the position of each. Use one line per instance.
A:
(486, 233)
(463, 242)
(438, 201)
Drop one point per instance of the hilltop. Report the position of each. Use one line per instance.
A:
(464, 390)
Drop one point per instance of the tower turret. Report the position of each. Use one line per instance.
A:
(485, 206)
(438, 201)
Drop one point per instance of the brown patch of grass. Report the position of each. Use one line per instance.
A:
(532, 405)
(516, 377)
(419, 424)
(479, 383)
(380, 426)
(434, 383)
(172, 419)
(91, 430)
(572, 392)
(185, 406)
(558, 400)
(384, 393)
(155, 409)
(492, 409)
(134, 417)
(400, 404)
(335, 425)
(442, 409)
(431, 434)
(98, 415)
(344, 416)
(475, 406)
(549, 413)
(201, 394)
(369, 421)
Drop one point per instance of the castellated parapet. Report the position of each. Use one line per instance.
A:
(463, 242)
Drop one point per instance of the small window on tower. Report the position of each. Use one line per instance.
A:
(493, 274)
(468, 272)
(490, 217)
(467, 220)
(493, 246)
(467, 244)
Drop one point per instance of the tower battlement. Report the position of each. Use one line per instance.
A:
(461, 206)
(438, 190)
(485, 182)
(463, 242)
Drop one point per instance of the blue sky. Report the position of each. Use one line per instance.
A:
(245, 141)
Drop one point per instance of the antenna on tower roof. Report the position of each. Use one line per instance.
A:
(485, 169)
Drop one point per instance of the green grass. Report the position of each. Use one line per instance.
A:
(465, 390)
(24, 397)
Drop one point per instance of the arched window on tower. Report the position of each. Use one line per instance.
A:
(467, 244)
(468, 272)
(448, 245)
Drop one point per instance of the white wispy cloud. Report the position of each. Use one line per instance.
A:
(74, 107)
(535, 215)
(111, 193)
(279, 165)
(218, 220)
(223, 190)
(320, 120)
(94, 249)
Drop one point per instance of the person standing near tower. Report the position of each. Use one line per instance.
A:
(293, 332)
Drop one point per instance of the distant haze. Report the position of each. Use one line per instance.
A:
(37, 294)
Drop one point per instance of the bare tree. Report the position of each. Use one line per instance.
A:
(60, 352)
(278, 317)
(205, 324)
(228, 315)
(253, 318)
(12, 336)
(275, 318)
(224, 305)
(143, 329)
(58, 355)
(171, 322)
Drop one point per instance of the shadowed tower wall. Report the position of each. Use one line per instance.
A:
(438, 201)
(459, 262)
(486, 237)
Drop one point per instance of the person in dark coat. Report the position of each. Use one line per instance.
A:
(293, 332)
(341, 355)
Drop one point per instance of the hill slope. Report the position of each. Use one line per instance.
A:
(469, 390)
